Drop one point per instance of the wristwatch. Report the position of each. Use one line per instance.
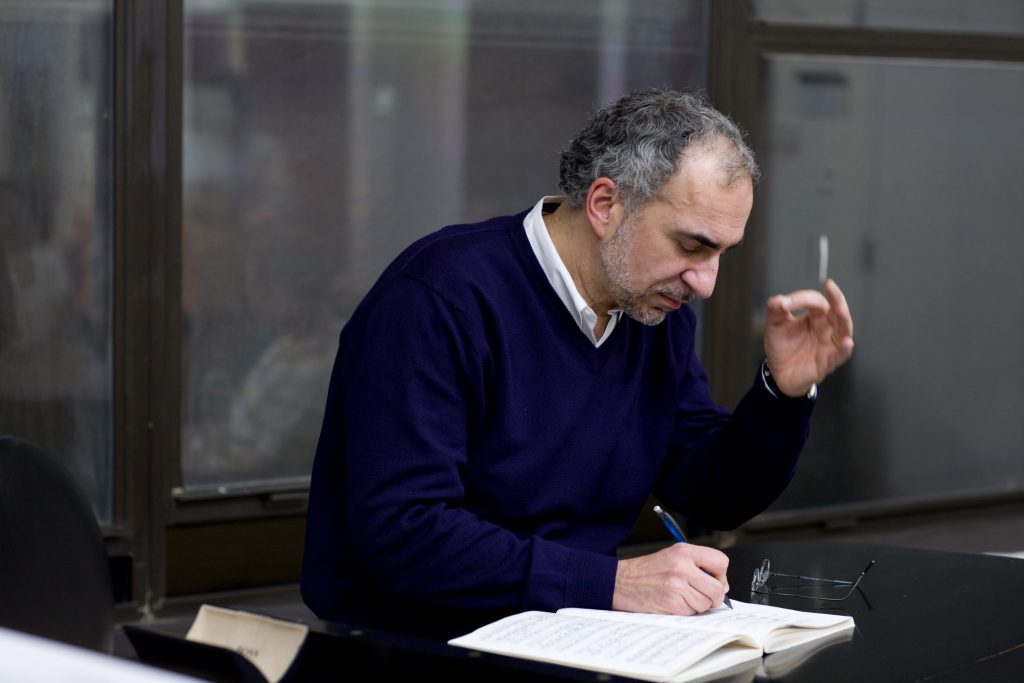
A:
(773, 389)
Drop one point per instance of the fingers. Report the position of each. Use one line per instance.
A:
(806, 300)
(702, 594)
(811, 300)
(696, 601)
(829, 311)
(785, 307)
(710, 560)
(700, 577)
(842, 321)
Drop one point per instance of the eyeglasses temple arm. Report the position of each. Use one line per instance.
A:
(862, 574)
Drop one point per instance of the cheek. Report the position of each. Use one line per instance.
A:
(661, 270)
(652, 267)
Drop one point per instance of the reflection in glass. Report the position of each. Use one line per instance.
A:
(320, 139)
(55, 234)
(910, 169)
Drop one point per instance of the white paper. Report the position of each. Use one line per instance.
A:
(270, 644)
(28, 658)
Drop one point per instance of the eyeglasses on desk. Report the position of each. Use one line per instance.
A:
(768, 582)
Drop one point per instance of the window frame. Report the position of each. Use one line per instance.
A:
(738, 47)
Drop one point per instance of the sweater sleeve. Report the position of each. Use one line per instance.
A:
(723, 469)
(414, 391)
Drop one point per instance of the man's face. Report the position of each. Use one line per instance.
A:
(666, 253)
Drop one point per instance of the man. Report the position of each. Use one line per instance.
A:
(509, 393)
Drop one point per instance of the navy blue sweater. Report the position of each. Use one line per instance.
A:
(479, 453)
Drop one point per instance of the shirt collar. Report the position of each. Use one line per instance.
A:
(558, 275)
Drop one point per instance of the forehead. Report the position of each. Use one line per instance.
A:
(697, 199)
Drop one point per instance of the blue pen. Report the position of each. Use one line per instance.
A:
(677, 533)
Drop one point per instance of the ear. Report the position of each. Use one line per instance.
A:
(604, 208)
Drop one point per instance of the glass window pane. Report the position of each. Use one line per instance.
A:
(953, 16)
(56, 239)
(321, 138)
(911, 170)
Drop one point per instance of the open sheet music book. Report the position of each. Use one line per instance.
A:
(653, 647)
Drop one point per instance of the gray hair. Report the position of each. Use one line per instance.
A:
(640, 140)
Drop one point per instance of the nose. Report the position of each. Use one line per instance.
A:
(700, 277)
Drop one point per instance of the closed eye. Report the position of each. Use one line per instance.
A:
(693, 242)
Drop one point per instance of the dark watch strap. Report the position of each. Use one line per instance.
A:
(773, 389)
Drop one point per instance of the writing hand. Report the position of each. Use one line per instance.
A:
(681, 579)
(807, 335)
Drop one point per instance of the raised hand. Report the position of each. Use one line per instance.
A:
(807, 335)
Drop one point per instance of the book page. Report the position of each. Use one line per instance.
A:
(270, 644)
(774, 628)
(649, 651)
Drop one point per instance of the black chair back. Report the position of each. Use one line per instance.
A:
(54, 573)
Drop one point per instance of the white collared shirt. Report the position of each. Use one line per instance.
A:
(559, 277)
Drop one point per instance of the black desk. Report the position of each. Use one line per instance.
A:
(920, 616)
